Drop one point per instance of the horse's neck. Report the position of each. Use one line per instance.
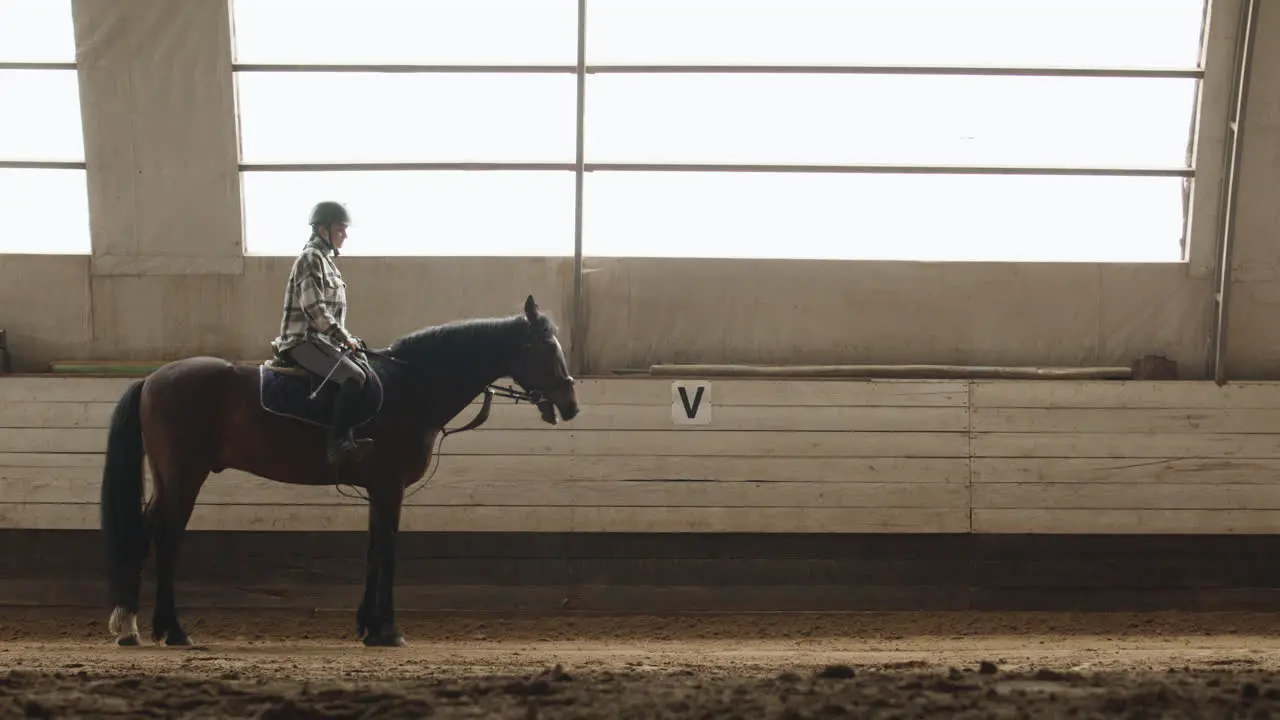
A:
(451, 397)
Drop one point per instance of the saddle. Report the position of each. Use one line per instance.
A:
(290, 390)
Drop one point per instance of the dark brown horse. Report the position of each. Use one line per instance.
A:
(203, 415)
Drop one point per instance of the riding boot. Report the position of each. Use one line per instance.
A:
(342, 443)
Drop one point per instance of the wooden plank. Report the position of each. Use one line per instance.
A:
(1125, 420)
(837, 393)
(235, 488)
(56, 440)
(1173, 394)
(524, 519)
(56, 414)
(599, 391)
(896, 371)
(1138, 496)
(561, 441)
(900, 393)
(58, 460)
(509, 416)
(55, 553)
(1118, 521)
(62, 389)
(588, 468)
(1125, 470)
(782, 418)
(1179, 445)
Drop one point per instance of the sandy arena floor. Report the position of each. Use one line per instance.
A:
(873, 665)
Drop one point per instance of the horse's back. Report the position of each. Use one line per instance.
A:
(199, 375)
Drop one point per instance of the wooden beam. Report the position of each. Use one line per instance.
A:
(947, 372)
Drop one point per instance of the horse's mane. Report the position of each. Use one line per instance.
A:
(460, 346)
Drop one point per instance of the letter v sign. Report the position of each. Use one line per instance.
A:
(691, 409)
(691, 402)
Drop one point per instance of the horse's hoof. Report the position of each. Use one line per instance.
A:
(124, 625)
(179, 640)
(395, 640)
(173, 638)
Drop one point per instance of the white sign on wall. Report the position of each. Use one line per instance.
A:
(691, 402)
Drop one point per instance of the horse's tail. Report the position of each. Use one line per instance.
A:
(123, 525)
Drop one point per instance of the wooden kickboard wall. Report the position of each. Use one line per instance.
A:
(771, 456)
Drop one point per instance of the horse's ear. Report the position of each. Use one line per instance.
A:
(530, 309)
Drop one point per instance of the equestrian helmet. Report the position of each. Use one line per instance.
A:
(328, 213)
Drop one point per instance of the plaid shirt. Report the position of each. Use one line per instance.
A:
(315, 301)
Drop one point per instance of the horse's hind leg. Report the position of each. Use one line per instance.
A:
(124, 617)
(171, 508)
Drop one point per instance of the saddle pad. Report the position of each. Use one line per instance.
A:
(286, 394)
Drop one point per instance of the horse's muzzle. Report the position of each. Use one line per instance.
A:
(569, 410)
(567, 407)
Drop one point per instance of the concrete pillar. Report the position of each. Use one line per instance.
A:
(160, 136)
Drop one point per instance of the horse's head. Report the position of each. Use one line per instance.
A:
(540, 368)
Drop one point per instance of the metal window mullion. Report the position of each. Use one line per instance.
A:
(1193, 139)
(874, 169)
(960, 70)
(667, 69)
(403, 69)
(578, 345)
(1230, 188)
(580, 166)
(43, 165)
(37, 66)
(403, 166)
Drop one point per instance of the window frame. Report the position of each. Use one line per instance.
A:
(582, 69)
(1205, 150)
(80, 165)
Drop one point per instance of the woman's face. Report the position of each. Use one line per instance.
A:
(337, 234)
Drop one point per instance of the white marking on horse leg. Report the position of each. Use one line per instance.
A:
(124, 625)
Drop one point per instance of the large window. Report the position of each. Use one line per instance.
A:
(43, 191)
(1055, 130)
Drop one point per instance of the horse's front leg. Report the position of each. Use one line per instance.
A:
(364, 615)
(376, 617)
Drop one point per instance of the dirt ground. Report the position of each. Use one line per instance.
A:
(61, 663)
